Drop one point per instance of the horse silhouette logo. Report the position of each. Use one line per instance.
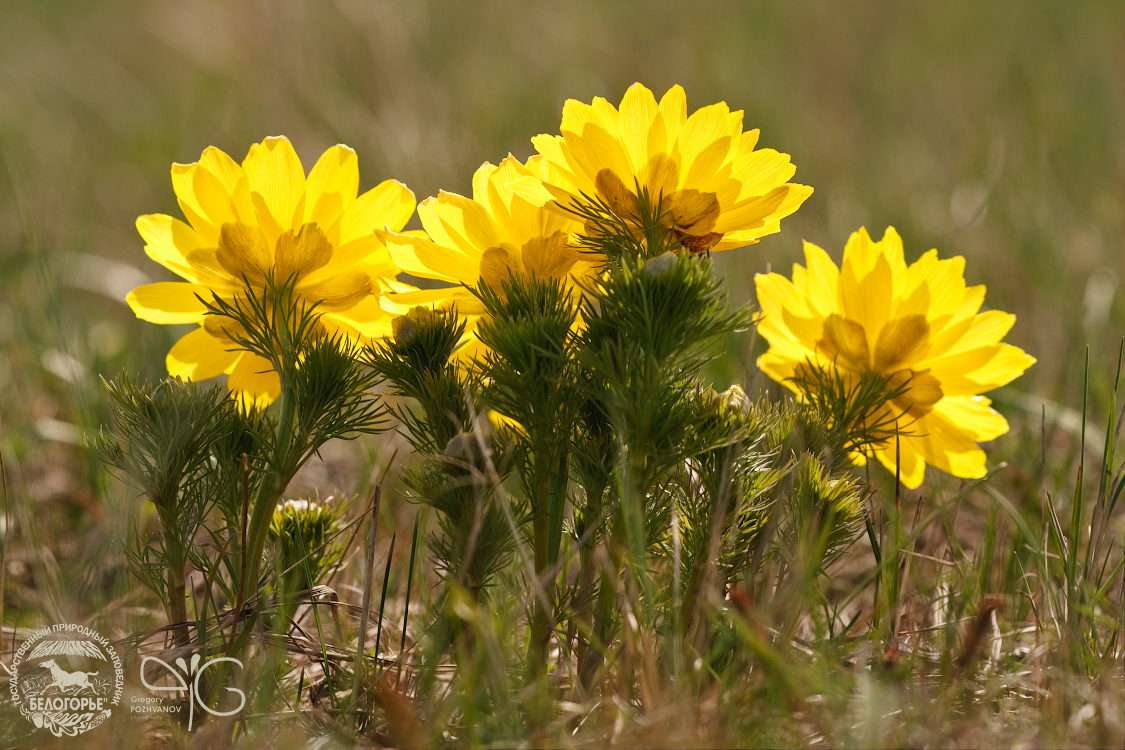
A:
(60, 693)
(65, 681)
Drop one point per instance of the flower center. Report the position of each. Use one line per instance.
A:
(549, 257)
(899, 343)
(691, 214)
(244, 253)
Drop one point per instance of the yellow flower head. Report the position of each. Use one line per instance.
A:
(716, 191)
(265, 217)
(918, 325)
(494, 234)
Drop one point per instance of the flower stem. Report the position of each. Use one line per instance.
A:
(282, 468)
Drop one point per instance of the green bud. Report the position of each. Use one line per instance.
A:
(661, 263)
(403, 326)
(465, 447)
(734, 400)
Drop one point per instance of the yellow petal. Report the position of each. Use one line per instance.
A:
(496, 266)
(457, 222)
(591, 141)
(946, 279)
(199, 356)
(541, 168)
(382, 270)
(599, 114)
(526, 219)
(707, 169)
(846, 338)
(388, 204)
(866, 297)
(332, 186)
(201, 196)
(553, 150)
(533, 190)
(480, 181)
(503, 422)
(759, 172)
(911, 469)
(253, 382)
(617, 195)
(916, 301)
(692, 211)
(662, 175)
(776, 293)
(899, 340)
(823, 278)
(986, 329)
(421, 257)
(760, 216)
(169, 302)
(1008, 364)
(301, 252)
(706, 134)
(779, 368)
(890, 247)
(226, 169)
(499, 201)
(974, 416)
(921, 391)
(860, 252)
(638, 110)
(807, 331)
(368, 249)
(948, 447)
(673, 110)
(366, 318)
(168, 241)
(548, 257)
(747, 141)
(458, 296)
(953, 367)
(275, 173)
(233, 181)
(340, 291)
(244, 253)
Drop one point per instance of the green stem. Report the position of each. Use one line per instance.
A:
(177, 606)
(282, 469)
(584, 609)
(540, 618)
(175, 580)
(607, 600)
(550, 498)
(691, 592)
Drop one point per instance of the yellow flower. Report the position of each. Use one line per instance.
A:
(717, 192)
(918, 325)
(245, 221)
(495, 234)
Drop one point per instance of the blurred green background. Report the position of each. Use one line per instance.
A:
(994, 130)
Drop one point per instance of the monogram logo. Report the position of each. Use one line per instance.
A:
(186, 675)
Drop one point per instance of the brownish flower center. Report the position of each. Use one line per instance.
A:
(244, 254)
(845, 342)
(691, 214)
(549, 257)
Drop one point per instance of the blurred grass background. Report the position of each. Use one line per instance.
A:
(991, 130)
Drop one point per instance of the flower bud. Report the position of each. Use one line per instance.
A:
(403, 326)
(734, 399)
(661, 263)
(464, 447)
